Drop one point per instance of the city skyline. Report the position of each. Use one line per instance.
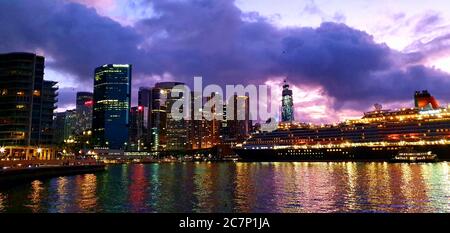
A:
(338, 63)
(248, 109)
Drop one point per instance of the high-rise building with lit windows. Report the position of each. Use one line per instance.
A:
(144, 101)
(84, 106)
(136, 129)
(165, 132)
(239, 126)
(287, 104)
(112, 96)
(27, 102)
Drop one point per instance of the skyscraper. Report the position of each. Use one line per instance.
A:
(70, 125)
(144, 102)
(166, 133)
(58, 127)
(27, 102)
(136, 132)
(237, 114)
(84, 106)
(203, 132)
(287, 104)
(112, 96)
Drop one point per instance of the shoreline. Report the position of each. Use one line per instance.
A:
(34, 170)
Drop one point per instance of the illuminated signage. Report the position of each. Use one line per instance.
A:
(88, 103)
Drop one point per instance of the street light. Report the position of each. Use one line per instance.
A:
(2, 150)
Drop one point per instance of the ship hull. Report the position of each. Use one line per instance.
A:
(338, 154)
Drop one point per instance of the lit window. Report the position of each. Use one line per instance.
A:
(20, 106)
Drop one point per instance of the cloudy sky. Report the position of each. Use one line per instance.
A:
(341, 56)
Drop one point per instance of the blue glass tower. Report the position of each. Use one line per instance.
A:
(112, 95)
(287, 104)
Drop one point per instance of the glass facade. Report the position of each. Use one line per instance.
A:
(112, 95)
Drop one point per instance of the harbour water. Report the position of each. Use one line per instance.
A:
(240, 187)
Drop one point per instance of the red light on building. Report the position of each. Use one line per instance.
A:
(393, 137)
(89, 103)
(140, 108)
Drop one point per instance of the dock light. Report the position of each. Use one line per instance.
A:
(2, 150)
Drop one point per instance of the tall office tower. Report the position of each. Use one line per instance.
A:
(166, 133)
(203, 128)
(237, 115)
(211, 126)
(84, 106)
(195, 123)
(144, 95)
(70, 125)
(287, 104)
(136, 142)
(112, 96)
(224, 130)
(144, 101)
(27, 102)
(65, 125)
(58, 128)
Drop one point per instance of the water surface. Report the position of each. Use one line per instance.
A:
(240, 187)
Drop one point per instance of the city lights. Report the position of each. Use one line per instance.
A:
(203, 106)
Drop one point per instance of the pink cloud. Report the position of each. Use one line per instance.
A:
(311, 103)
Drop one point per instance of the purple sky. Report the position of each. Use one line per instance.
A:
(340, 56)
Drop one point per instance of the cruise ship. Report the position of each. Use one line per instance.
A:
(380, 135)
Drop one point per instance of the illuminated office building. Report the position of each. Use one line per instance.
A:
(136, 132)
(58, 127)
(202, 132)
(64, 126)
(237, 126)
(165, 132)
(144, 102)
(84, 106)
(112, 95)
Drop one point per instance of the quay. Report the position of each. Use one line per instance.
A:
(17, 171)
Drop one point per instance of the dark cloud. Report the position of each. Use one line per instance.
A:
(216, 40)
(75, 37)
(351, 66)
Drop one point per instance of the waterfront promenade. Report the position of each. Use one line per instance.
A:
(15, 171)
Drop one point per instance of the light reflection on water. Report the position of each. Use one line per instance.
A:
(240, 187)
